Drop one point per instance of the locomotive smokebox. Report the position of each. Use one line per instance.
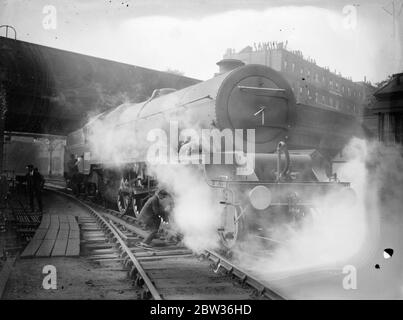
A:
(226, 65)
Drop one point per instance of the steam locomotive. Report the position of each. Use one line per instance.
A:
(292, 148)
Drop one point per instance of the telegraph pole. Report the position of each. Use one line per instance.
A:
(395, 12)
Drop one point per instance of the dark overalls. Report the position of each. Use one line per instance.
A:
(35, 183)
(151, 215)
(73, 175)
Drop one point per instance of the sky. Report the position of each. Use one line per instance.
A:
(352, 37)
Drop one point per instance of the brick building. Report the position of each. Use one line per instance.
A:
(312, 84)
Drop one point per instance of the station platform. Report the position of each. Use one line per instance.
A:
(58, 235)
(78, 276)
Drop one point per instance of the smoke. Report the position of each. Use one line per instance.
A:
(196, 212)
(340, 230)
(310, 258)
(114, 144)
(331, 232)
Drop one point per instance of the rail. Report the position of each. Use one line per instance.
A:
(115, 235)
(244, 276)
(219, 262)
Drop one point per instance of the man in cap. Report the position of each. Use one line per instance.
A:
(35, 182)
(156, 208)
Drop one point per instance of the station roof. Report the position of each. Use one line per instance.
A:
(392, 87)
(55, 91)
(389, 98)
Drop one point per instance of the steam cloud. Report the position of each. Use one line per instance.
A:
(197, 212)
(309, 261)
(337, 234)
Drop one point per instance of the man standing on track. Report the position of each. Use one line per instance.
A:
(155, 209)
(35, 182)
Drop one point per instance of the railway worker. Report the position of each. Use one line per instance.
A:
(72, 166)
(156, 208)
(3, 201)
(35, 182)
(4, 189)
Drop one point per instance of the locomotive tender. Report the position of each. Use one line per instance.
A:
(293, 146)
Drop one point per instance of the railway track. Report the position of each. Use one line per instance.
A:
(168, 271)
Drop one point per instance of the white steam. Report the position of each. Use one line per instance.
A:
(333, 232)
(310, 260)
(196, 212)
(338, 233)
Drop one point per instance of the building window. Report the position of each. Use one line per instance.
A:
(293, 67)
(316, 97)
(337, 104)
(302, 71)
(285, 64)
(331, 101)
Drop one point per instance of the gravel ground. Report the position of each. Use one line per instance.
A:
(77, 277)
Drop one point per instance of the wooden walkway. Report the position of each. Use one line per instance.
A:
(57, 235)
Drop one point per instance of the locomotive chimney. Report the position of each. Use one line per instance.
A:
(227, 65)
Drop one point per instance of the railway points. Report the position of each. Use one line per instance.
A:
(167, 271)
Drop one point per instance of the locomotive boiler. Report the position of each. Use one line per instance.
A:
(292, 147)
